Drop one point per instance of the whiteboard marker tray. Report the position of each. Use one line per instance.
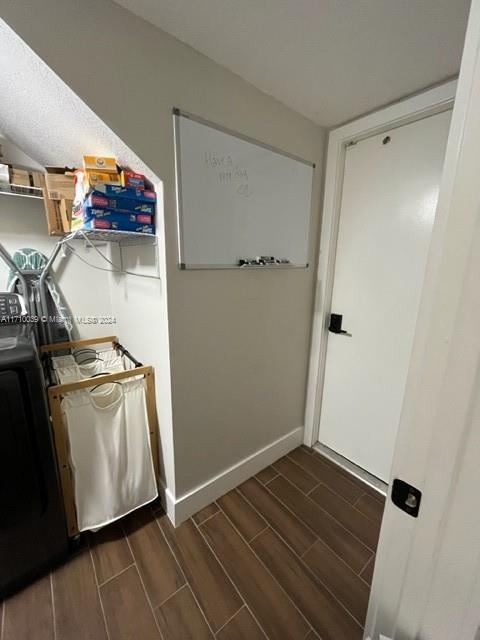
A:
(244, 267)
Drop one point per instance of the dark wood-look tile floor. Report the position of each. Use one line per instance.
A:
(288, 555)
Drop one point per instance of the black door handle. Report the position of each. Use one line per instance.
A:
(335, 325)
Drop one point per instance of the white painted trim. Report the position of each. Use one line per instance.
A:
(420, 106)
(165, 498)
(179, 509)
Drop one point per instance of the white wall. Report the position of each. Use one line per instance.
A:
(239, 341)
(140, 306)
(86, 290)
(44, 116)
(13, 155)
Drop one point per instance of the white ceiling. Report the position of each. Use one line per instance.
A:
(330, 60)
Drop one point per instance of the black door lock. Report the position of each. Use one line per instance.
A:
(406, 497)
(335, 325)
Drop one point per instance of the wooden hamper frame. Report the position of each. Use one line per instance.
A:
(55, 395)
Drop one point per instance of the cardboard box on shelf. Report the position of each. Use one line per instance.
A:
(19, 181)
(38, 179)
(89, 212)
(111, 190)
(94, 178)
(97, 199)
(132, 180)
(90, 218)
(19, 177)
(66, 215)
(58, 214)
(100, 163)
(134, 227)
(60, 183)
(100, 169)
(25, 181)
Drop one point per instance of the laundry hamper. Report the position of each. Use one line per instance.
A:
(106, 436)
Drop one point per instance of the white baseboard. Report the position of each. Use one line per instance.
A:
(180, 509)
(165, 498)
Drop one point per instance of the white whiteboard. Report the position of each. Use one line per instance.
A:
(238, 199)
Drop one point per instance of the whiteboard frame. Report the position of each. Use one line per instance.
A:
(177, 114)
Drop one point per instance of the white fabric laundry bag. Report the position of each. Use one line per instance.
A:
(110, 451)
(68, 369)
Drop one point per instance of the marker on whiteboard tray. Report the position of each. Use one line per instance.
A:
(262, 261)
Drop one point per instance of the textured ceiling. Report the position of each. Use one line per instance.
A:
(330, 60)
(44, 118)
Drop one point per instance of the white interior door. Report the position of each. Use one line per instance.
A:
(389, 199)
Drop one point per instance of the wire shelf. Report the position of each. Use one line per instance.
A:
(124, 238)
(21, 191)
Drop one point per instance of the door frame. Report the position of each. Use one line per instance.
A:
(423, 105)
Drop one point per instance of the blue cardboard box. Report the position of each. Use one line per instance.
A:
(116, 191)
(102, 224)
(117, 216)
(101, 201)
